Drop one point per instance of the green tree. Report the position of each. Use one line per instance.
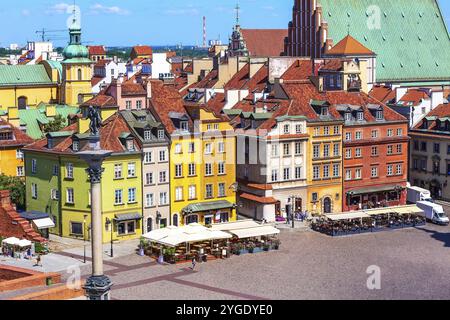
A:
(55, 125)
(16, 187)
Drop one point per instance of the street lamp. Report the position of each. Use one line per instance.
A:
(84, 238)
(109, 224)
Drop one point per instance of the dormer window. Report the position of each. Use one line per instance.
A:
(380, 115)
(76, 146)
(130, 145)
(348, 116)
(360, 115)
(49, 143)
(184, 125)
(6, 135)
(147, 135)
(324, 111)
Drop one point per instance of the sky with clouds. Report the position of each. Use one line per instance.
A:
(155, 22)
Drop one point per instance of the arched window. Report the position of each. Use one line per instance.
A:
(175, 220)
(80, 74)
(149, 224)
(327, 205)
(22, 103)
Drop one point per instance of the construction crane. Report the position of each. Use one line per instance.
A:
(46, 34)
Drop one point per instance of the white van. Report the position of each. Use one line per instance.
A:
(433, 212)
(416, 194)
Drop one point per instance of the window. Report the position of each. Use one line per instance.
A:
(149, 200)
(374, 134)
(348, 175)
(178, 170)
(437, 148)
(358, 135)
(192, 169)
(69, 171)
(316, 151)
(358, 174)
(208, 148)
(161, 134)
(390, 132)
(326, 150)
(208, 127)
(221, 168)
(148, 157)
(191, 219)
(287, 129)
(399, 170)
(147, 135)
(70, 198)
(125, 228)
(162, 156)
(139, 104)
(286, 149)
(76, 228)
(208, 169)
(324, 111)
(390, 170)
(390, 150)
(326, 171)
(360, 116)
(316, 172)
(316, 131)
(163, 177)
(298, 173)
(179, 194)
(315, 197)
(337, 149)
(399, 132)
(358, 153)
(20, 172)
(128, 105)
(299, 128)
(118, 197)
(209, 191)
(149, 178)
(298, 148)
(130, 145)
(348, 116)
(19, 154)
(336, 170)
(379, 115)
(131, 170)
(191, 147)
(336, 130)
(117, 171)
(163, 199)
(423, 146)
(80, 74)
(192, 192)
(34, 191)
(348, 136)
(274, 175)
(348, 153)
(374, 151)
(221, 147)
(131, 195)
(55, 170)
(275, 149)
(326, 131)
(399, 148)
(287, 174)
(33, 166)
(221, 191)
(184, 125)
(374, 172)
(54, 194)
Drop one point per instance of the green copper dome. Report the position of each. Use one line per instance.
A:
(75, 52)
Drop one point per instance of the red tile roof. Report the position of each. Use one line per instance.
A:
(189, 68)
(216, 103)
(413, 96)
(265, 42)
(262, 200)
(333, 65)
(101, 101)
(300, 70)
(95, 80)
(383, 93)
(19, 138)
(143, 50)
(349, 46)
(441, 111)
(129, 89)
(97, 50)
(207, 82)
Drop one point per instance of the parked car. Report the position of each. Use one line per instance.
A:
(433, 212)
(416, 194)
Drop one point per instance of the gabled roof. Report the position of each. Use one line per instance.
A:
(130, 88)
(96, 50)
(440, 112)
(143, 50)
(349, 46)
(19, 138)
(24, 75)
(413, 97)
(265, 42)
(101, 101)
(382, 93)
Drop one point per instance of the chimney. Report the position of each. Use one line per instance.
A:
(5, 198)
(149, 89)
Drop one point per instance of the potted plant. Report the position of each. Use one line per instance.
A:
(142, 245)
(266, 247)
(276, 244)
(169, 255)
(251, 247)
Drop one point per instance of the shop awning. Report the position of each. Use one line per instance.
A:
(128, 217)
(11, 241)
(255, 232)
(399, 210)
(348, 216)
(409, 210)
(24, 243)
(34, 215)
(243, 224)
(375, 189)
(208, 206)
(44, 223)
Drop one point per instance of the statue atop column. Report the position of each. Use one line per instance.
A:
(96, 121)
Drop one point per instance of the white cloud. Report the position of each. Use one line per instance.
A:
(98, 8)
(59, 8)
(188, 11)
(26, 13)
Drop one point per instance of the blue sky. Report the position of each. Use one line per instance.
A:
(155, 22)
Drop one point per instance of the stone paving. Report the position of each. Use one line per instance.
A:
(414, 264)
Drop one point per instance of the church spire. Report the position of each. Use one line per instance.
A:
(238, 8)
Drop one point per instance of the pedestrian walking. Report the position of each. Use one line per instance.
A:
(38, 261)
(194, 263)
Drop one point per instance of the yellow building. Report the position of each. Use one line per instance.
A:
(324, 163)
(12, 139)
(77, 70)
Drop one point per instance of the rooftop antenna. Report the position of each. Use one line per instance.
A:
(204, 31)
(238, 8)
